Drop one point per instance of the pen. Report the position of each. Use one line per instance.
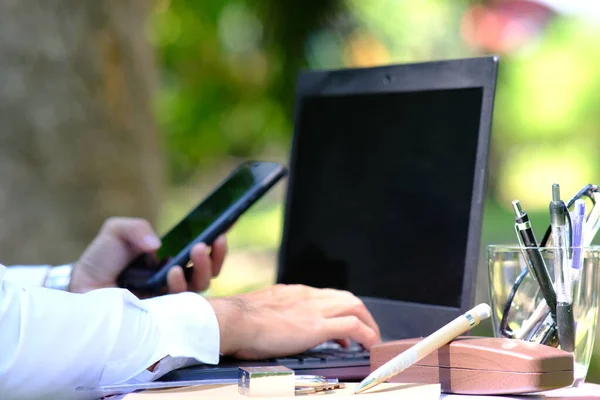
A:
(578, 220)
(593, 222)
(545, 333)
(425, 347)
(540, 327)
(562, 272)
(534, 258)
(537, 316)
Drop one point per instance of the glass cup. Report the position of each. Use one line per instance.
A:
(506, 265)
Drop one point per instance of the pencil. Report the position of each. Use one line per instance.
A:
(428, 345)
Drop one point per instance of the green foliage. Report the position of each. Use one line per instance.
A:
(228, 68)
(550, 91)
(546, 119)
(227, 79)
(215, 74)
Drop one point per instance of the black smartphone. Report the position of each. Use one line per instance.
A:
(212, 217)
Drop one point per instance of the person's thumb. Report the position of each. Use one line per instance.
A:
(136, 232)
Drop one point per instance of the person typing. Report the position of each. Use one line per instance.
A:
(81, 330)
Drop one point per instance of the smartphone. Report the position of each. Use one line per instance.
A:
(212, 217)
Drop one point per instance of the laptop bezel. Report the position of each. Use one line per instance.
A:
(478, 72)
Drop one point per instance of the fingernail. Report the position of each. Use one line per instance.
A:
(202, 247)
(152, 241)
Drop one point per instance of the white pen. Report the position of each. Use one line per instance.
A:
(428, 345)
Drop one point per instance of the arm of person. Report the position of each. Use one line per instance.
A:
(53, 341)
(119, 241)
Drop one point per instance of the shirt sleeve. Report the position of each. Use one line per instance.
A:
(52, 341)
(27, 275)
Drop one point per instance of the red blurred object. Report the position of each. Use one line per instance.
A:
(504, 26)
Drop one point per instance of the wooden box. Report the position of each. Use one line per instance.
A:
(477, 365)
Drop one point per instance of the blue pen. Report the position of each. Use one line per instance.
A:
(577, 221)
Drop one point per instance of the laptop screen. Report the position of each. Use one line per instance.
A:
(382, 192)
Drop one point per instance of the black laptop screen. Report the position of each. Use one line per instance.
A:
(382, 188)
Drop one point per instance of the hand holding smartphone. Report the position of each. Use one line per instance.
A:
(212, 217)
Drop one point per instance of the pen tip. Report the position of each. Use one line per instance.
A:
(367, 383)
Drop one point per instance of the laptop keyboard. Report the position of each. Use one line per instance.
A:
(325, 353)
(328, 359)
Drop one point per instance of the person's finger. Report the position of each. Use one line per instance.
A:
(362, 312)
(202, 267)
(176, 280)
(338, 303)
(136, 232)
(345, 343)
(349, 327)
(218, 252)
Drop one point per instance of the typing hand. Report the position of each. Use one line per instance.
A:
(120, 240)
(289, 319)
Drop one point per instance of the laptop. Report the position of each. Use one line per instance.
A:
(384, 199)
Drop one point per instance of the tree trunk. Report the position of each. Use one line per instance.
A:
(78, 141)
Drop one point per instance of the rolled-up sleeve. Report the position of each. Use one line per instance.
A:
(53, 341)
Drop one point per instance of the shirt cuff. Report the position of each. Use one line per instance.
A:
(189, 333)
(34, 275)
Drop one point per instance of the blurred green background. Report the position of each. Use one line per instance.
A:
(225, 73)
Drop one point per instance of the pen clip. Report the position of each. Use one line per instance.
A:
(522, 247)
(519, 238)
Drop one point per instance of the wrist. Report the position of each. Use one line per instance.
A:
(80, 282)
(59, 277)
(235, 331)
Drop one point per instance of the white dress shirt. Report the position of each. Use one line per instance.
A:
(53, 341)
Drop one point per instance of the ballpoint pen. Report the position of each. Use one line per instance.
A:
(428, 345)
(562, 272)
(535, 319)
(535, 261)
(578, 221)
(545, 332)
